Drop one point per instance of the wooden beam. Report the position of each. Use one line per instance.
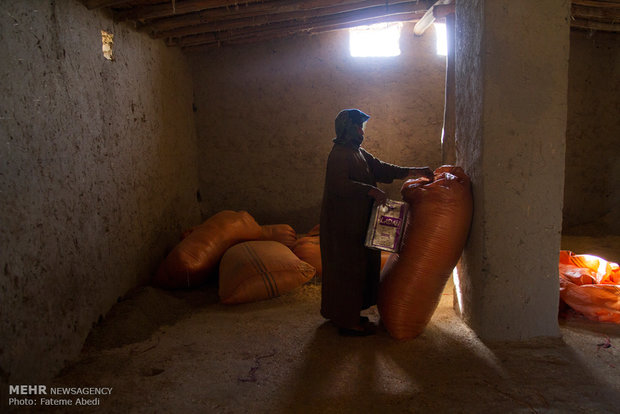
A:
(98, 4)
(191, 29)
(405, 17)
(289, 28)
(278, 34)
(265, 9)
(428, 19)
(586, 12)
(284, 29)
(155, 11)
(613, 4)
(591, 25)
(441, 11)
(409, 17)
(223, 8)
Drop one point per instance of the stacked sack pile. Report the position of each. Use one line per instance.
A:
(254, 262)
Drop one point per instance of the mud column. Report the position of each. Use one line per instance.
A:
(511, 101)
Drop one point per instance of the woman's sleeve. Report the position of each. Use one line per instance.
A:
(384, 172)
(338, 181)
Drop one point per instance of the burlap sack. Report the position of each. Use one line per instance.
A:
(258, 270)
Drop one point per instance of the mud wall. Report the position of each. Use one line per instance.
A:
(98, 175)
(592, 188)
(265, 118)
(511, 124)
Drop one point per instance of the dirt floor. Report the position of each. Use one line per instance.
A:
(183, 352)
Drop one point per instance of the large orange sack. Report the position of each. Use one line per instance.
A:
(308, 249)
(435, 234)
(282, 233)
(590, 285)
(258, 270)
(191, 261)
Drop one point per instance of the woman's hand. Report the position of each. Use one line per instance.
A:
(421, 172)
(378, 195)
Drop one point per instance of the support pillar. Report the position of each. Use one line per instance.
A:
(511, 101)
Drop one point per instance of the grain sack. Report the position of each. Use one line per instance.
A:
(197, 255)
(308, 249)
(282, 233)
(437, 227)
(314, 231)
(590, 285)
(258, 270)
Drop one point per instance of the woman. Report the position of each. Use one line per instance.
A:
(350, 278)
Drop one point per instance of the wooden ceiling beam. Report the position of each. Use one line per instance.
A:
(98, 4)
(271, 35)
(289, 28)
(154, 11)
(607, 4)
(586, 12)
(403, 17)
(191, 29)
(441, 11)
(223, 8)
(592, 25)
(429, 18)
(329, 28)
(284, 29)
(258, 11)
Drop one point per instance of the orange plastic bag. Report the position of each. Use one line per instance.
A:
(282, 233)
(258, 270)
(437, 228)
(590, 285)
(197, 255)
(308, 249)
(314, 231)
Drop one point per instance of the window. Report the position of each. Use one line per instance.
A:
(442, 39)
(381, 40)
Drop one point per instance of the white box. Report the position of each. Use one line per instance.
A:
(387, 226)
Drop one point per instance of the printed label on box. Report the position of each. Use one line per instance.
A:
(386, 226)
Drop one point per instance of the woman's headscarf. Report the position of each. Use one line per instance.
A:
(346, 124)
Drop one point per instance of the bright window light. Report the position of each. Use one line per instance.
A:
(107, 45)
(382, 39)
(442, 41)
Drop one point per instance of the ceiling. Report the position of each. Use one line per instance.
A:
(200, 24)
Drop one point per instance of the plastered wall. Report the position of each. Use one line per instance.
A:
(592, 187)
(265, 118)
(97, 175)
(511, 123)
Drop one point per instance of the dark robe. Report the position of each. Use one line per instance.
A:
(350, 277)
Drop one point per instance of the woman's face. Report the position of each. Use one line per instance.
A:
(361, 128)
(360, 134)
